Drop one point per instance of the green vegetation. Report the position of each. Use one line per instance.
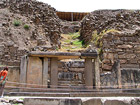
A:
(21, 98)
(17, 23)
(74, 23)
(74, 35)
(77, 42)
(26, 26)
(96, 38)
(2, 65)
(70, 42)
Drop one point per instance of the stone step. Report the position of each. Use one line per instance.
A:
(54, 90)
(67, 89)
(69, 82)
(43, 94)
(80, 94)
(74, 90)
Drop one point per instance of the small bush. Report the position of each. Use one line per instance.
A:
(26, 26)
(17, 23)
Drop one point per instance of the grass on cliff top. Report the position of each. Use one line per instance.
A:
(70, 42)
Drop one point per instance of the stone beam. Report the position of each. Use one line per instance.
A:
(64, 55)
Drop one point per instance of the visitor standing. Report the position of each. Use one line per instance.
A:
(3, 76)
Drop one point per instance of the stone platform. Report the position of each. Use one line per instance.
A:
(70, 100)
(83, 101)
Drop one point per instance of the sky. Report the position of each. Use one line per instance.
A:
(91, 5)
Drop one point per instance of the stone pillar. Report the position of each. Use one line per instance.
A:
(54, 72)
(119, 74)
(23, 69)
(45, 71)
(88, 73)
(72, 16)
(97, 73)
(34, 71)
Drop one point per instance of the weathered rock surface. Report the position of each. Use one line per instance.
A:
(15, 41)
(102, 20)
(70, 27)
(118, 36)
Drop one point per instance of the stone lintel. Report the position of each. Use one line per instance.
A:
(89, 55)
(64, 55)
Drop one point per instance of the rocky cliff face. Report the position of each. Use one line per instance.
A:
(26, 25)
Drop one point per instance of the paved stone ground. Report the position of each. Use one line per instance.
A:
(19, 100)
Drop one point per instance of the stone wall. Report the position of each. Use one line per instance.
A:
(123, 46)
(128, 77)
(116, 34)
(70, 27)
(13, 76)
(71, 73)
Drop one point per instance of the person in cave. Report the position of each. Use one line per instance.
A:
(3, 77)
